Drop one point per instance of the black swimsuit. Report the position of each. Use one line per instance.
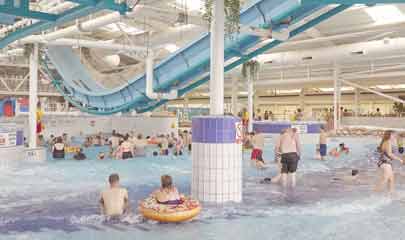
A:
(384, 159)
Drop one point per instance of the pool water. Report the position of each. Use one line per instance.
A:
(59, 200)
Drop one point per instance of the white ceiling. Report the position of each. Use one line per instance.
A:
(160, 18)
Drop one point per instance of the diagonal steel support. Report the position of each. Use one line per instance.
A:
(355, 85)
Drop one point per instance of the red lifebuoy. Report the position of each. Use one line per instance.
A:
(8, 109)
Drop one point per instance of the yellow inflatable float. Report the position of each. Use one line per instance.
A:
(72, 149)
(153, 210)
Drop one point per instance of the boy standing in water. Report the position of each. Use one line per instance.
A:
(323, 138)
(114, 200)
(257, 152)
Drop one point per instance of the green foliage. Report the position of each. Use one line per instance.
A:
(399, 107)
(232, 11)
(28, 48)
(251, 67)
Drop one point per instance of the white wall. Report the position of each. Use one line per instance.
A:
(76, 125)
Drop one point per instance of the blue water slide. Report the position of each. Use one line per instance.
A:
(185, 69)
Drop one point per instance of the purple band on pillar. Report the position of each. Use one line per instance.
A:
(277, 127)
(314, 127)
(20, 138)
(214, 129)
(270, 127)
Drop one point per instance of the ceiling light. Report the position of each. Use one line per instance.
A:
(171, 47)
(384, 14)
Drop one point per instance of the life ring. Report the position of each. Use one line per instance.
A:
(153, 210)
(72, 149)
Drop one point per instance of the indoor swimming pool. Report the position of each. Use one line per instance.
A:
(59, 200)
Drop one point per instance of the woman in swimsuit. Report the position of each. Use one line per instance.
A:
(127, 149)
(167, 194)
(385, 163)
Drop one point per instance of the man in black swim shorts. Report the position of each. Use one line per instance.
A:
(289, 146)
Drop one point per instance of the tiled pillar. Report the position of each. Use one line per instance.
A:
(217, 159)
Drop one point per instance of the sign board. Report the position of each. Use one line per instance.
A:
(239, 132)
(8, 135)
(300, 128)
(37, 154)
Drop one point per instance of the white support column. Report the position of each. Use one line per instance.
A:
(302, 99)
(186, 110)
(33, 100)
(356, 102)
(217, 59)
(336, 98)
(250, 102)
(235, 91)
(66, 105)
(217, 148)
(339, 97)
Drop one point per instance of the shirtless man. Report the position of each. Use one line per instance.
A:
(323, 138)
(290, 150)
(114, 200)
(164, 146)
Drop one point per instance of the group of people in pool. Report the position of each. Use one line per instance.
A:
(288, 153)
(123, 146)
(114, 201)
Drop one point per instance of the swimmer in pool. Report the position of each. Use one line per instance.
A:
(114, 200)
(323, 139)
(179, 145)
(101, 156)
(164, 146)
(79, 155)
(348, 179)
(337, 152)
(58, 149)
(290, 149)
(385, 163)
(167, 193)
(257, 151)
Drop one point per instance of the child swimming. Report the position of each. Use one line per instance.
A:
(337, 152)
(257, 152)
(101, 156)
(348, 179)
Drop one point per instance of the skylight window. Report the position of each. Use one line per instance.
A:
(191, 5)
(288, 91)
(384, 14)
(116, 27)
(343, 89)
(171, 47)
(390, 87)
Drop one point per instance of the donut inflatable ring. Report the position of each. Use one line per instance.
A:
(153, 210)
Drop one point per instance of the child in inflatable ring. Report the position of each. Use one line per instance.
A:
(168, 193)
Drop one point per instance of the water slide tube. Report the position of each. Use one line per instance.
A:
(186, 68)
